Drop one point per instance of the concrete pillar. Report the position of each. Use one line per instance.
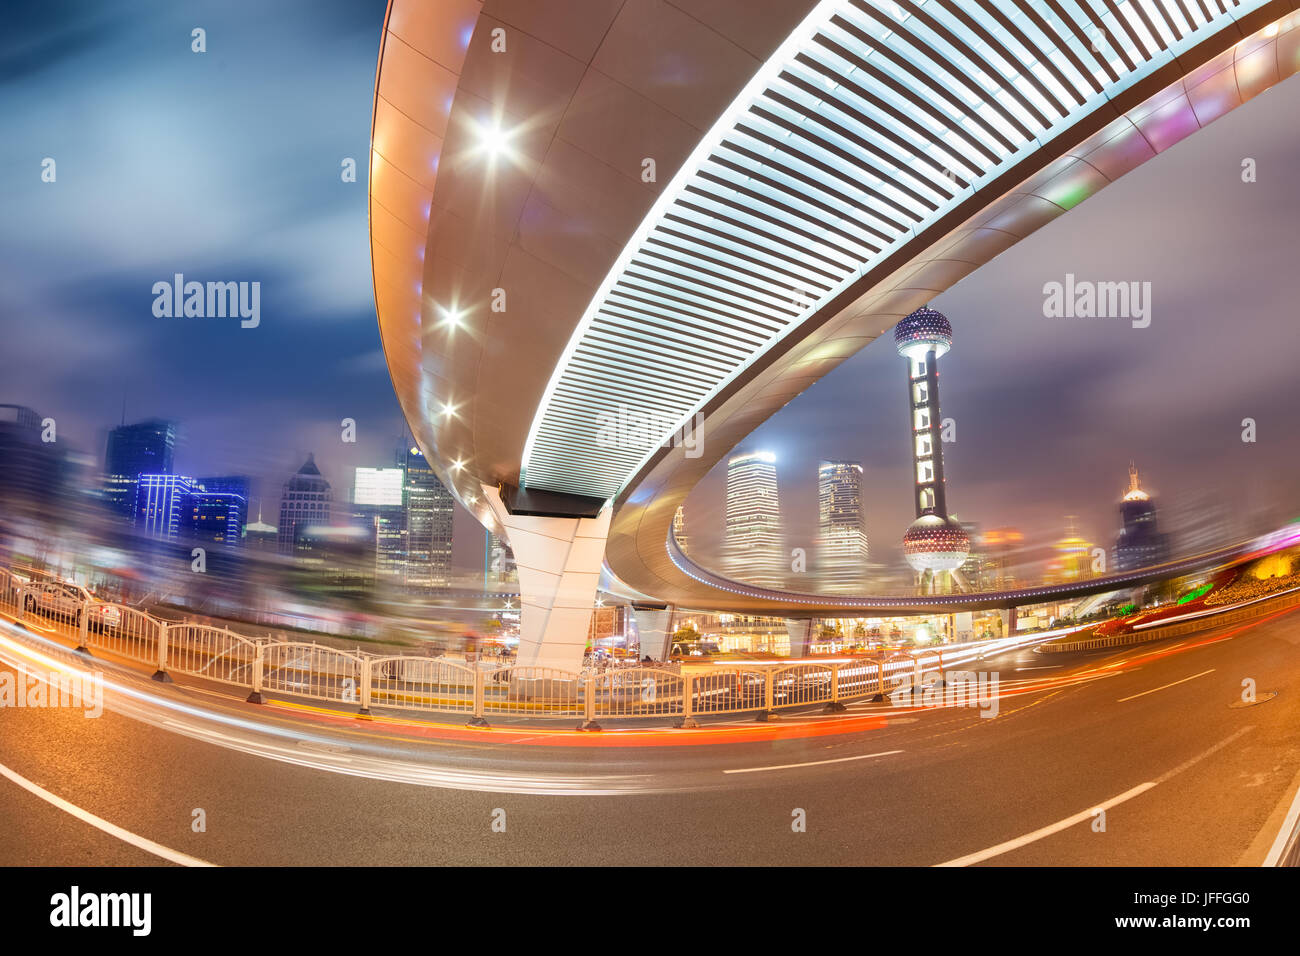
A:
(558, 561)
(654, 627)
(800, 634)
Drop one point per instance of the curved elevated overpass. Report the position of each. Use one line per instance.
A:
(727, 594)
(693, 209)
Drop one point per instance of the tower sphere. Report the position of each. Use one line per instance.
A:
(935, 543)
(923, 329)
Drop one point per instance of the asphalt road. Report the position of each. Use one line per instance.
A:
(1148, 733)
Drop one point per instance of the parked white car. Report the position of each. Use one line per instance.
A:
(68, 602)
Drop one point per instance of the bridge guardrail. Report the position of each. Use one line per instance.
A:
(1255, 609)
(409, 682)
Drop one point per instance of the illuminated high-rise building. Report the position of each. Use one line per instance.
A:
(1002, 547)
(160, 501)
(30, 469)
(213, 517)
(1072, 558)
(1140, 543)
(934, 544)
(428, 506)
(237, 485)
(377, 495)
(841, 530)
(753, 550)
(975, 569)
(679, 528)
(145, 448)
(304, 504)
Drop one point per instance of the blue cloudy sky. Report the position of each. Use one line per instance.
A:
(223, 165)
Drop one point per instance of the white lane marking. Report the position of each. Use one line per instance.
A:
(1201, 756)
(1083, 815)
(1284, 833)
(1047, 831)
(112, 829)
(814, 763)
(1163, 686)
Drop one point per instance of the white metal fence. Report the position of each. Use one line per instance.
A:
(300, 669)
(405, 682)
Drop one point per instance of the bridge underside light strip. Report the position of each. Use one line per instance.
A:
(872, 120)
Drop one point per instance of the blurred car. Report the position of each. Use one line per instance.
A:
(69, 602)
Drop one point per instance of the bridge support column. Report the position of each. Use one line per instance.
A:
(654, 627)
(558, 560)
(800, 633)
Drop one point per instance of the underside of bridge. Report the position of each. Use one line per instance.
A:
(695, 209)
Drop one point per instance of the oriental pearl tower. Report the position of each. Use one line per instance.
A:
(934, 544)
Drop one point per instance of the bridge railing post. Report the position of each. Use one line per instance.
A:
(83, 629)
(480, 693)
(833, 706)
(366, 676)
(589, 703)
(259, 657)
(164, 636)
(688, 691)
(769, 695)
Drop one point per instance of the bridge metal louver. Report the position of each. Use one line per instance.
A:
(870, 123)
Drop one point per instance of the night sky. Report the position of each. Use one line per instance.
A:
(225, 166)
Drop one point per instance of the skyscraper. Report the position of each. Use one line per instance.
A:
(377, 506)
(1140, 543)
(754, 551)
(159, 504)
(30, 469)
(1072, 558)
(133, 450)
(934, 544)
(975, 569)
(305, 503)
(841, 531)
(679, 528)
(239, 486)
(1002, 549)
(213, 517)
(428, 506)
